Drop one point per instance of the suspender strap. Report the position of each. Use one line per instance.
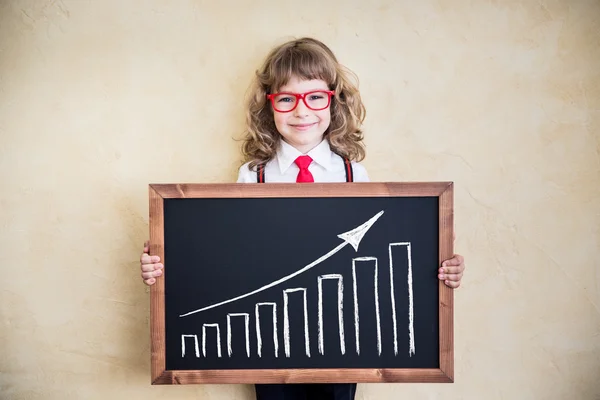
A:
(348, 169)
(260, 171)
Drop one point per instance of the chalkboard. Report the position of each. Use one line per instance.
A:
(281, 283)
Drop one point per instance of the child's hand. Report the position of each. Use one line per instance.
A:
(452, 270)
(150, 265)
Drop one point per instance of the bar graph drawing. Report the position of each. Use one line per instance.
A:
(268, 309)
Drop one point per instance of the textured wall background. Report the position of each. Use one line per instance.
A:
(99, 98)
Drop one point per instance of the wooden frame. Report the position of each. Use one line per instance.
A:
(442, 190)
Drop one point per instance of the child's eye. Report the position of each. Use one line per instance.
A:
(285, 99)
(316, 97)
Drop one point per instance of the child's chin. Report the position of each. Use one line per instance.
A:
(309, 138)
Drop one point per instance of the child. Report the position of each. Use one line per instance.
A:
(304, 125)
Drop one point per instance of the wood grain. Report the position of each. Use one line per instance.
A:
(303, 376)
(283, 190)
(446, 294)
(157, 291)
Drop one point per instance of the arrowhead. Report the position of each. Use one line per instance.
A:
(355, 235)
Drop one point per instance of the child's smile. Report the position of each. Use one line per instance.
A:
(303, 127)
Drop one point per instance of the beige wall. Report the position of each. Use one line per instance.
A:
(99, 98)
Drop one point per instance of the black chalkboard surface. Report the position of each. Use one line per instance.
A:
(301, 283)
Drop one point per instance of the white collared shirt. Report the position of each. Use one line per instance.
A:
(326, 166)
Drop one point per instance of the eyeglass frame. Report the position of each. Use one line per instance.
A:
(301, 96)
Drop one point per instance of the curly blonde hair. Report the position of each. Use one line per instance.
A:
(304, 58)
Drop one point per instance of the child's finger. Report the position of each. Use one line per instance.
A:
(451, 270)
(152, 274)
(146, 259)
(456, 260)
(451, 277)
(152, 267)
(150, 281)
(455, 275)
(452, 284)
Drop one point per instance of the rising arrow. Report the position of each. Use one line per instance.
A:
(352, 237)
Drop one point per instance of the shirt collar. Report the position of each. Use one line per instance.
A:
(287, 154)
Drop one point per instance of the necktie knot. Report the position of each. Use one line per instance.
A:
(303, 162)
(304, 175)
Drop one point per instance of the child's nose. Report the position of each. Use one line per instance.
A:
(301, 109)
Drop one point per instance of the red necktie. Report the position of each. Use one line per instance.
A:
(304, 175)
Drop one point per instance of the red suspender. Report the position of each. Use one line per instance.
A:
(348, 169)
(260, 171)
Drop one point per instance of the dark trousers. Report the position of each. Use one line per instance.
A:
(313, 391)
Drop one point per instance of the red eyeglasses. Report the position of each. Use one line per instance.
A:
(316, 100)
